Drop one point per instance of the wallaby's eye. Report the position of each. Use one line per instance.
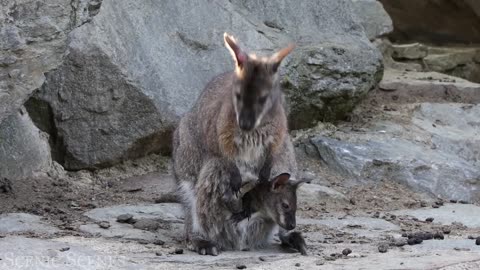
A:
(262, 100)
(238, 95)
(285, 206)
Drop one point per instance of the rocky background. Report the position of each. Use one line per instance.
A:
(382, 98)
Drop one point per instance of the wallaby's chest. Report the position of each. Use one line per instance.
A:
(252, 151)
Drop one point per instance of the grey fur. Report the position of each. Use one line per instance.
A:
(213, 157)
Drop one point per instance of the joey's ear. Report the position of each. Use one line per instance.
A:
(238, 55)
(280, 55)
(297, 183)
(280, 181)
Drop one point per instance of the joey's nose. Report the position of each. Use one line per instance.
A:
(290, 226)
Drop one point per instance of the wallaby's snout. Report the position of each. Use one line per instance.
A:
(246, 120)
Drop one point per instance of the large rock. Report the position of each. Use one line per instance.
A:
(138, 66)
(33, 37)
(24, 149)
(437, 153)
(373, 17)
(434, 21)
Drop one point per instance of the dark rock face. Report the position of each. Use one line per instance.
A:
(128, 78)
(435, 21)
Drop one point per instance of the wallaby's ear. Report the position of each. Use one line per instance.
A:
(298, 183)
(238, 55)
(280, 181)
(280, 55)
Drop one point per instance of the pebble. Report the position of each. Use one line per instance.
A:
(427, 236)
(423, 204)
(446, 230)
(376, 215)
(159, 242)
(383, 248)
(297, 264)
(435, 206)
(104, 225)
(414, 241)
(463, 202)
(477, 242)
(400, 242)
(471, 237)
(430, 219)
(125, 218)
(179, 251)
(64, 249)
(146, 224)
(453, 201)
(263, 259)
(158, 253)
(320, 263)
(346, 251)
(241, 266)
(439, 236)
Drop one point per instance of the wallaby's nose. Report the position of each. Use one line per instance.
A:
(246, 121)
(290, 226)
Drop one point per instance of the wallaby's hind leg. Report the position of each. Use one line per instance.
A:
(293, 240)
(215, 203)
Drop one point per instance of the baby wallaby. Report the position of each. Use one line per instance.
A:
(237, 124)
(268, 205)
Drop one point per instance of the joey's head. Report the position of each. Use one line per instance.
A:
(280, 200)
(256, 86)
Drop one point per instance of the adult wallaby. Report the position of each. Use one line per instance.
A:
(268, 205)
(237, 124)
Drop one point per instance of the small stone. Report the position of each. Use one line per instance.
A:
(427, 236)
(423, 204)
(453, 201)
(477, 242)
(179, 251)
(159, 242)
(414, 241)
(319, 263)
(404, 234)
(263, 259)
(400, 242)
(376, 215)
(297, 264)
(158, 253)
(241, 266)
(463, 202)
(430, 219)
(446, 230)
(125, 218)
(471, 237)
(354, 255)
(383, 248)
(143, 242)
(435, 206)
(104, 225)
(439, 236)
(64, 249)
(346, 251)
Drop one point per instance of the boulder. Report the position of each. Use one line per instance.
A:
(437, 152)
(127, 78)
(434, 21)
(24, 149)
(412, 51)
(33, 37)
(373, 17)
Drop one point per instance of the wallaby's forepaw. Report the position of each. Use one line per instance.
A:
(294, 240)
(204, 247)
(237, 217)
(235, 180)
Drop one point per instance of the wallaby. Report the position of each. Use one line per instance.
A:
(236, 125)
(268, 205)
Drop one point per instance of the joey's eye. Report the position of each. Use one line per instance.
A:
(238, 95)
(262, 100)
(285, 206)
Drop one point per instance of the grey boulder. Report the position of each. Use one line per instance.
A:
(138, 66)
